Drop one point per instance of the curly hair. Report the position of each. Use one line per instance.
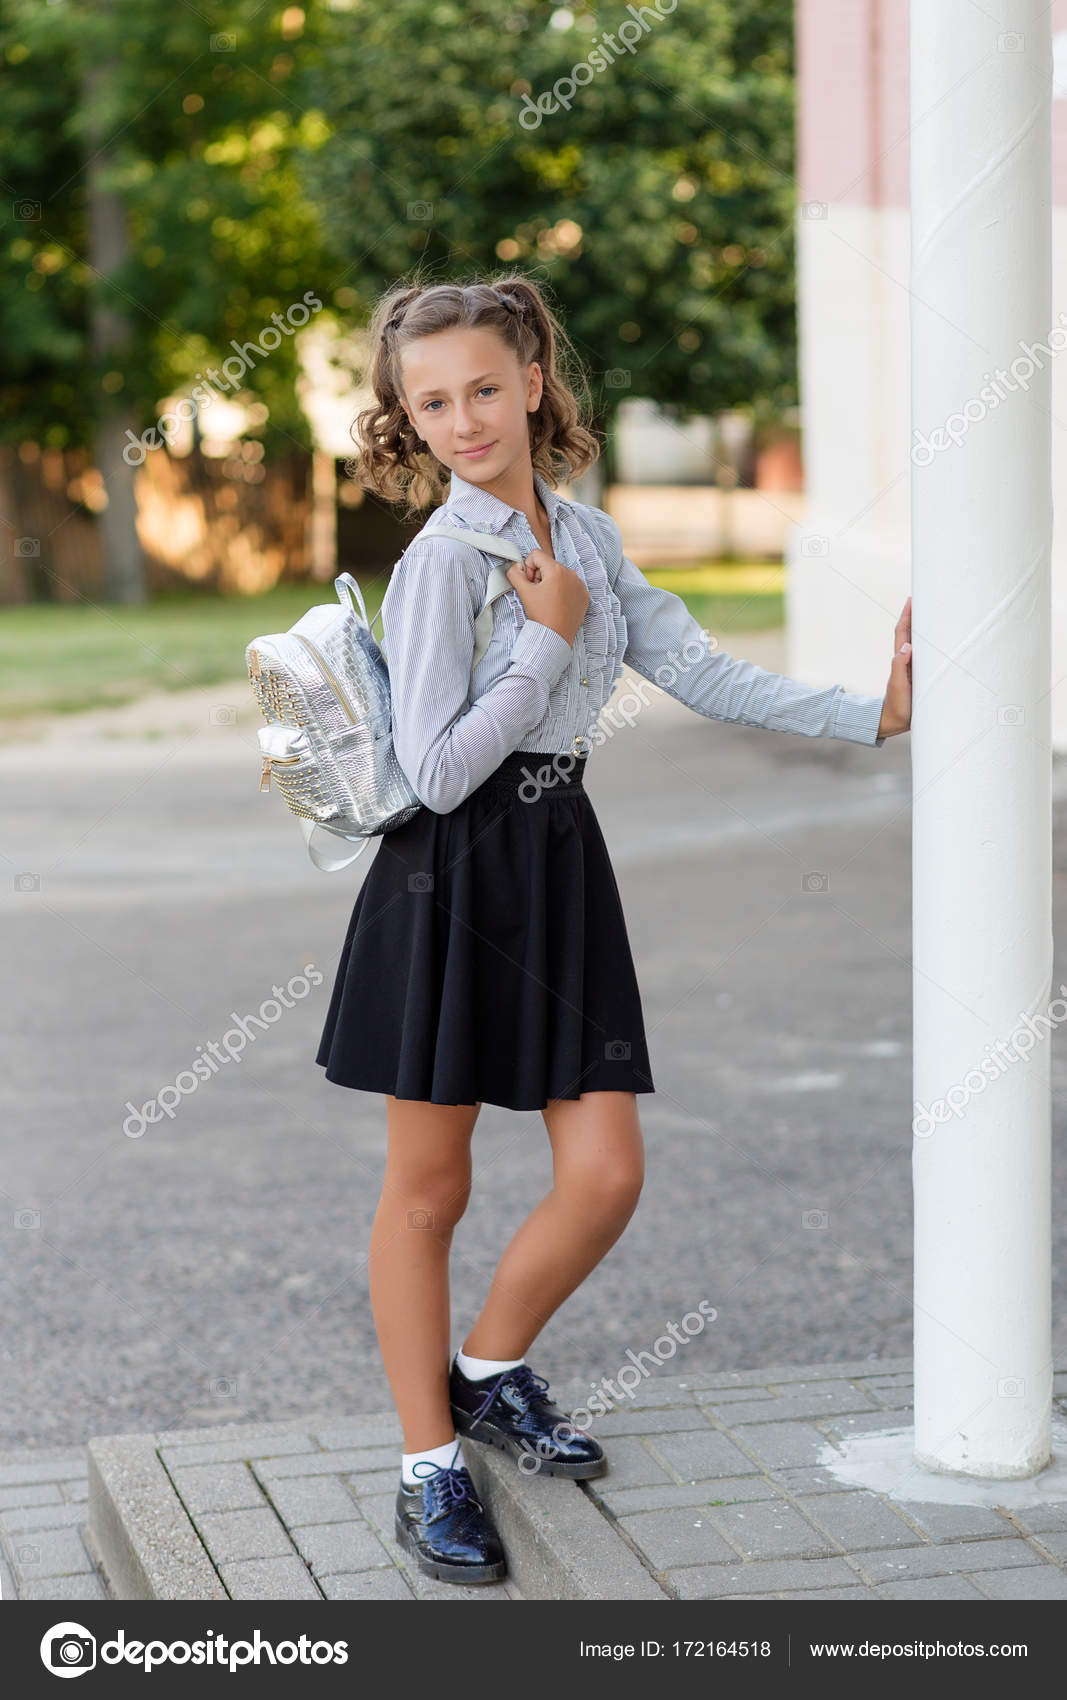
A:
(392, 460)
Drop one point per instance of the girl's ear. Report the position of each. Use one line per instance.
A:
(534, 387)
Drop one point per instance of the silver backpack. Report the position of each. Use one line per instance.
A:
(323, 689)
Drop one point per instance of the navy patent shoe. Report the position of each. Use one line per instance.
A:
(441, 1521)
(513, 1411)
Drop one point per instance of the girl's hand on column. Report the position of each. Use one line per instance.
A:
(896, 709)
(550, 592)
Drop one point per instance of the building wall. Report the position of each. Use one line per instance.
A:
(849, 560)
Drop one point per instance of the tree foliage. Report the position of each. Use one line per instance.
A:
(189, 107)
(657, 203)
(258, 151)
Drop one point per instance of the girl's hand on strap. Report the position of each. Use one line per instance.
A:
(896, 709)
(550, 592)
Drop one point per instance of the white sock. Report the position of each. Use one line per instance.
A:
(476, 1369)
(450, 1455)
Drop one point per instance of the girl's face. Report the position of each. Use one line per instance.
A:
(468, 398)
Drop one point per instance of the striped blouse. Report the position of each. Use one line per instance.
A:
(532, 690)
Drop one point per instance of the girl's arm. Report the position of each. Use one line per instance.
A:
(444, 746)
(669, 648)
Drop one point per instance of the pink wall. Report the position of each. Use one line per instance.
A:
(853, 118)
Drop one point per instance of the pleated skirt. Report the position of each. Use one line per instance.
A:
(487, 959)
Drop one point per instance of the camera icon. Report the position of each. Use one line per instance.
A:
(420, 882)
(420, 212)
(224, 1386)
(1011, 42)
(27, 1218)
(617, 1050)
(422, 1218)
(815, 545)
(815, 1219)
(814, 209)
(1011, 1387)
(616, 378)
(27, 882)
(68, 1649)
(224, 43)
(27, 209)
(815, 882)
(222, 715)
(27, 546)
(1011, 714)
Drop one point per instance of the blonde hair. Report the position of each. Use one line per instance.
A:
(391, 458)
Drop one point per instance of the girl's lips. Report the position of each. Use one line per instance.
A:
(473, 454)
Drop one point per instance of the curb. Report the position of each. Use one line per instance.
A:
(146, 1544)
(559, 1546)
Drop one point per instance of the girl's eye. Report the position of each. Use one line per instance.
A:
(491, 388)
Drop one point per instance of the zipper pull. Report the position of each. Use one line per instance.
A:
(264, 777)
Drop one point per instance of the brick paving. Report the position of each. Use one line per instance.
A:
(720, 1493)
(300, 1516)
(44, 1518)
(306, 1516)
(714, 1483)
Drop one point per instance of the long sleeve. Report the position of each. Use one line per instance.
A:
(668, 647)
(445, 746)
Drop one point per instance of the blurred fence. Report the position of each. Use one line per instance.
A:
(243, 525)
(227, 525)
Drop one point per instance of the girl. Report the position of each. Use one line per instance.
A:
(487, 958)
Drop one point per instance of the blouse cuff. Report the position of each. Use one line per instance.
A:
(858, 717)
(540, 651)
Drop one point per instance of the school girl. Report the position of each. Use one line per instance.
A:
(487, 958)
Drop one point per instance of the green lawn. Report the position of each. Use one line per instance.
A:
(59, 659)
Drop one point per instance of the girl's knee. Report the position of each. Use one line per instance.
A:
(607, 1190)
(623, 1187)
(430, 1196)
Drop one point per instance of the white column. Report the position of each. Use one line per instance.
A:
(982, 881)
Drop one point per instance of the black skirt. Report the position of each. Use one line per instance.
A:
(487, 959)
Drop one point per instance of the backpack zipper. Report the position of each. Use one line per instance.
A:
(330, 676)
(268, 763)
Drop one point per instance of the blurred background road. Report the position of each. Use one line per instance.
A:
(214, 1267)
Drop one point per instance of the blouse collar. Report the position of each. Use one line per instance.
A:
(482, 508)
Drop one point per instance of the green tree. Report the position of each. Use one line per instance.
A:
(152, 217)
(657, 199)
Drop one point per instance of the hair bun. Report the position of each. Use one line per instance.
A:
(511, 302)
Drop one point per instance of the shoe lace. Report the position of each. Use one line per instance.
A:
(526, 1385)
(446, 1485)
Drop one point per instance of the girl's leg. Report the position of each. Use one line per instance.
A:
(424, 1193)
(598, 1170)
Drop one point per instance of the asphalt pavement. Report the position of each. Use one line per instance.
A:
(210, 1265)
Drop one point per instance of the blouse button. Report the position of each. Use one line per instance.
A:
(585, 681)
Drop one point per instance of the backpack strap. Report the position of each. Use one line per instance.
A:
(322, 846)
(497, 582)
